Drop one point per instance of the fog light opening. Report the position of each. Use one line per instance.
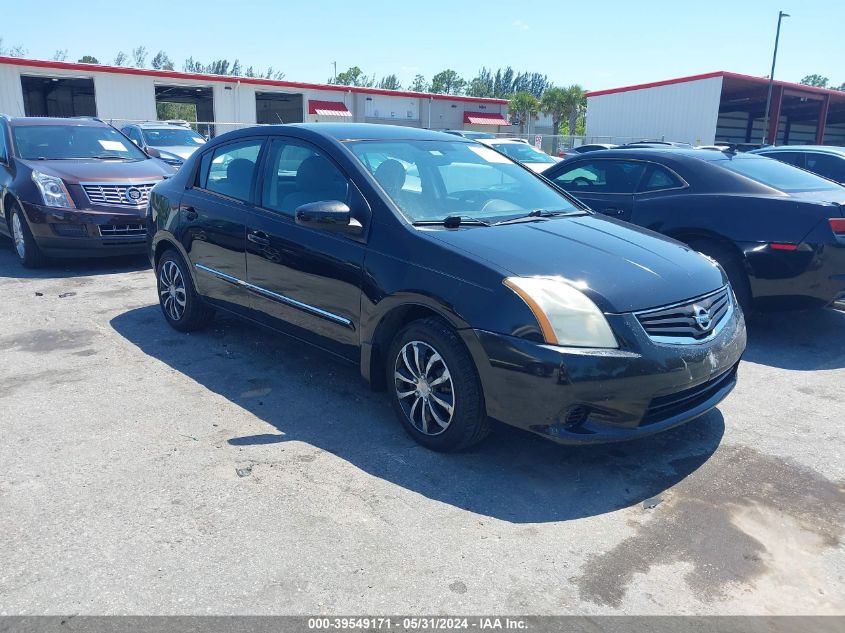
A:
(575, 416)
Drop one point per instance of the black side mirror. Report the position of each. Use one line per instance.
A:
(152, 151)
(329, 215)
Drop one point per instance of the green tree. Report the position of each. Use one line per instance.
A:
(120, 59)
(161, 61)
(139, 56)
(420, 84)
(14, 51)
(185, 111)
(236, 69)
(815, 80)
(482, 85)
(577, 106)
(447, 82)
(523, 105)
(556, 103)
(390, 82)
(88, 59)
(60, 55)
(354, 76)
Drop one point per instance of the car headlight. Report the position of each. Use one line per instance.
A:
(53, 190)
(566, 315)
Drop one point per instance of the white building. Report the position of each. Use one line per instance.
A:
(718, 106)
(49, 88)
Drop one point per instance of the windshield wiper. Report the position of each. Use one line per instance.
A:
(453, 222)
(537, 214)
(109, 157)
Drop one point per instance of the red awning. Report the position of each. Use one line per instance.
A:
(328, 108)
(485, 118)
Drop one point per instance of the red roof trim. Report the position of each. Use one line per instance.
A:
(172, 74)
(718, 73)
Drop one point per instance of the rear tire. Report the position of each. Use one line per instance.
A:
(734, 269)
(434, 387)
(27, 250)
(181, 306)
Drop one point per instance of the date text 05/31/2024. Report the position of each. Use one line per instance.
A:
(415, 623)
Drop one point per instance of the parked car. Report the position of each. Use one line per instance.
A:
(824, 160)
(470, 134)
(583, 149)
(73, 187)
(778, 231)
(484, 292)
(536, 160)
(172, 142)
(655, 144)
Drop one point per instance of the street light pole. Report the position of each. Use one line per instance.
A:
(335, 70)
(781, 16)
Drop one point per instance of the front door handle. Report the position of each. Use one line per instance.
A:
(258, 237)
(613, 211)
(191, 214)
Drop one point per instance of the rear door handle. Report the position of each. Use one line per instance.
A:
(191, 213)
(258, 237)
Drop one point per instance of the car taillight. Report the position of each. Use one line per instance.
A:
(838, 226)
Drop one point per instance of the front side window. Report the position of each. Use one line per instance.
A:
(827, 165)
(73, 142)
(230, 169)
(602, 176)
(298, 174)
(432, 180)
(776, 174)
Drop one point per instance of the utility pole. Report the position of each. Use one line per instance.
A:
(335, 71)
(781, 16)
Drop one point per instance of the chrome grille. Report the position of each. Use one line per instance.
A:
(108, 230)
(120, 195)
(691, 321)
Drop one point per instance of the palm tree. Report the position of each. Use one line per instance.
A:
(523, 105)
(556, 102)
(577, 105)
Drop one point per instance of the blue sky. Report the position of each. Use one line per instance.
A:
(599, 44)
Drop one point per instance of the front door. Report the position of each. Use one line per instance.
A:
(605, 185)
(305, 281)
(213, 216)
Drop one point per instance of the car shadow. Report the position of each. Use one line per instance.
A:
(64, 268)
(803, 341)
(305, 395)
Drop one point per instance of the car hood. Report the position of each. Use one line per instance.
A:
(179, 151)
(622, 268)
(76, 171)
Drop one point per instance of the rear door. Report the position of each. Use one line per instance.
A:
(606, 185)
(305, 281)
(213, 214)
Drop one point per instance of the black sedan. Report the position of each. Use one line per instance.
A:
(778, 231)
(466, 285)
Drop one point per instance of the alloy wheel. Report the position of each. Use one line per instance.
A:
(171, 289)
(424, 387)
(17, 235)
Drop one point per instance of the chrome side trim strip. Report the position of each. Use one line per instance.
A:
(275, 296)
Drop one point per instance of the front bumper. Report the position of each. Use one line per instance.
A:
(87, 232)
(583, 396)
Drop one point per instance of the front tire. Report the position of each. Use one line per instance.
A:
(27, 250)
(182, 307)
(434, 387)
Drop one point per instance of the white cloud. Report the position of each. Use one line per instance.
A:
(521, 25)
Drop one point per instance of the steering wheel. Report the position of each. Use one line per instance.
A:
(497, 204)
(581, 181)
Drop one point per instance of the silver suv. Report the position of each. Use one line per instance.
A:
(172, 141)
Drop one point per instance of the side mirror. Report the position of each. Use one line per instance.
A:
(152, 151)
(329, 215)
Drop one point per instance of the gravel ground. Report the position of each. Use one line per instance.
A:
(236, 472)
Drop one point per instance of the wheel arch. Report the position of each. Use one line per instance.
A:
(164, 243)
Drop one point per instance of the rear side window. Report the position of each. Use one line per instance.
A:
(793, 158)
(230, 169)
(776, 174)
(602, 176)
(827, 165)
(660, 178)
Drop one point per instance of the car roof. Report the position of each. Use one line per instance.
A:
(161, 126)
(501, 141)
(654, 153)
(366, 131)
(45, 120)
(830, 149)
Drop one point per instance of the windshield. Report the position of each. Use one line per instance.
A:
(170, 137)
(67, 142)
(478, 135)
(777, 174)
(432, 180)
(524, 153)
